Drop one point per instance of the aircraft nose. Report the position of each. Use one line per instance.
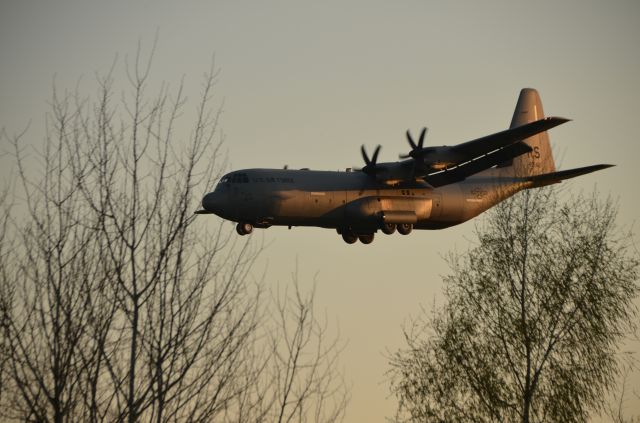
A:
(212, 202)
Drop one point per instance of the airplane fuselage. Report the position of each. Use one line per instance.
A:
(352, 200)
(434, 188)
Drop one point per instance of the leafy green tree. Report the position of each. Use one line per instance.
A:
(535, 314)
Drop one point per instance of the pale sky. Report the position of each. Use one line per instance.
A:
(306, 83)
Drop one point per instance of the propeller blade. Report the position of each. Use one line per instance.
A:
(370, 163)
(374, 159)
(422, 134)
(411, 143)
(415, 148)
(365, 157)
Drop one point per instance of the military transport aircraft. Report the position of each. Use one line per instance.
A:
(430, 188)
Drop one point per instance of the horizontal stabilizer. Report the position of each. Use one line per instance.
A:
(555, 177)
(501, 139)
(203, 212)
(472, 167)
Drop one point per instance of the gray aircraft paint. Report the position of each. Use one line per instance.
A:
(359, 203)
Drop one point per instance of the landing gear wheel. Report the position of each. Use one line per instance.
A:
(366, 238)
(244, 228)
(349, 237)
(405, 228)
(388, 228)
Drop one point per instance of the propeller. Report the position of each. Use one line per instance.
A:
(416, 149)
(370, 164)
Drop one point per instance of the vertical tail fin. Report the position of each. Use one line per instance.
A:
(540, 159)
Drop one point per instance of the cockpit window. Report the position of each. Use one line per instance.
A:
(236, 178)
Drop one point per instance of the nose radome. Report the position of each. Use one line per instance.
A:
(211, 202)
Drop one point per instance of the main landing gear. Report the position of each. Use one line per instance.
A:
(388, 228)
(244, 228)
(366, 238)
(405, 228)
(351, 237)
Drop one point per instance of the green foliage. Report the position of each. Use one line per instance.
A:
(534, 316)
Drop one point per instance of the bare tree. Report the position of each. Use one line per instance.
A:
(618, 409)
(294, 375)
(303, 382)
(142, 187)
(43, 322)
(6, 292)
(534, 316)
(120, 305)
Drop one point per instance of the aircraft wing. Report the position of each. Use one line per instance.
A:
(479, 164)
(486, 144)
(473, 156)
(555, 177)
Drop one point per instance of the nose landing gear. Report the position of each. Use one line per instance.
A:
(244, 228)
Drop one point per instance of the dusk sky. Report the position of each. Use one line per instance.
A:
(306, 83)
